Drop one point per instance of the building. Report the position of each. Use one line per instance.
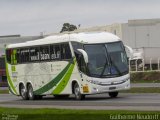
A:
(9, 39)
(143, 35)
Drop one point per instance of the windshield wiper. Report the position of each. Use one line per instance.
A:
(104, 68)
(112, 62)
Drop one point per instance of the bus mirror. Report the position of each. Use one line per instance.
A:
(84, 55)
(129, 51)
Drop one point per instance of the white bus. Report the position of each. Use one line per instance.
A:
(61, 65)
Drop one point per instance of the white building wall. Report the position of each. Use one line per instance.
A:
(145, 35)
(141, 36)
(154, 35)
(10, 40)
(126, 37)
(142, 33)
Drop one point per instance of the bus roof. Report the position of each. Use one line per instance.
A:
(86, 38)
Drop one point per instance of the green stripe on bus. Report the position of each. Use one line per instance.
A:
(13, 90)
(13, 68)
(52, 83)
(64, 81)
(14, 56)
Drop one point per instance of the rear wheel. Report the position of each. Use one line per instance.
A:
(31, 95)
(77, 93)
(23, 92)
(113, 94)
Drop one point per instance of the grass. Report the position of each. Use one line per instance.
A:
(145, 81)
(3, 84)
(4, 91)
(65, 114)
(145, 77)
(143, 90)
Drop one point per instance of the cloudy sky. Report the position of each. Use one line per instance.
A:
(30, 17)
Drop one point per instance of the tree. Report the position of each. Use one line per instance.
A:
(68, 27)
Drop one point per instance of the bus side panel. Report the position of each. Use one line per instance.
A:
(65, 85)
(12, 79)
(50, 74)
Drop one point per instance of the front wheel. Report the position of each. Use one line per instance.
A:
(77, 93)
(113, 94)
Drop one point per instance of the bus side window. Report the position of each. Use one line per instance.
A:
(24, 55)
(18, 56)
(81, 63)
(55, 53)
(77, 45)
(44, 53)
(65, 51)
(8, 55)
(34, 54)
(13, 55)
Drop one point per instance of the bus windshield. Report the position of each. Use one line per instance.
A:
(106, 60)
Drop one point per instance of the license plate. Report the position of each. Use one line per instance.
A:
(85, 89)
(112, 88)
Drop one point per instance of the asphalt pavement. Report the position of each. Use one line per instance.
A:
(125, 101)
(132, 85)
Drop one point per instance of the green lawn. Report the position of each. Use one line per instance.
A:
(145, 77)
(64, 114)
(145, 81)
(4, 91)
(143, 90)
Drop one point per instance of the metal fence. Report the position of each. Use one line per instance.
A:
(139, 65)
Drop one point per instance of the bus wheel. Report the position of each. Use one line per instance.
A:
(23, 92)
(77, 93)
(31, 96)
(113, 94)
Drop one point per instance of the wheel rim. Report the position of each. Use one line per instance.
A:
(77, 91)
(23, 91)
(30, 92)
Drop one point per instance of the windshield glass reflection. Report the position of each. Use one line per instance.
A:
(106, 60)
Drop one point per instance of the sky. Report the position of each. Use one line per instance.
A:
(31, 17)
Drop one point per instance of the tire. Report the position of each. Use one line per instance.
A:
(113, 94)
(31, 95)
(77, 93)
(23, 92)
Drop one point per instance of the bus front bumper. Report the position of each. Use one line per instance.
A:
(105, 88)
(112, 88)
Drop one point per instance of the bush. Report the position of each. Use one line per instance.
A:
(145, 76)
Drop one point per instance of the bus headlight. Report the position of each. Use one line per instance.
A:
(94, 82)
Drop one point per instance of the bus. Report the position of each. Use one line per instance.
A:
(60, 65)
